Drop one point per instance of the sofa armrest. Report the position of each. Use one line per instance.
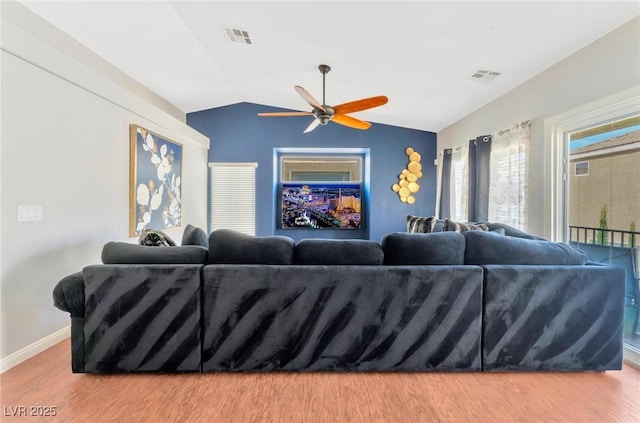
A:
(556, 318)
(142, 318)
(68, 295)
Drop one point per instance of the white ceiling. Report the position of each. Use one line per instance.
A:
(419, 54)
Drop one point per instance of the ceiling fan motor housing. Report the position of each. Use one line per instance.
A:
(324, 116)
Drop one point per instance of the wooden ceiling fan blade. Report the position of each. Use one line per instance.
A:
(283, 114)
(351, 122)
(313, 125)
(309, 98)
(358, 105)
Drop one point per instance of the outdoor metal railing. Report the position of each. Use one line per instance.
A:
(601, 236)
(621, 248)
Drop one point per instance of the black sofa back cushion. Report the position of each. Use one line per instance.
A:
(126, 253)
(490, 248)
(231, 247)
(423, 249)
(338, 252)
(194, 236)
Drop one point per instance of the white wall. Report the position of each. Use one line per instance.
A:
(605, 67)
(65, 146)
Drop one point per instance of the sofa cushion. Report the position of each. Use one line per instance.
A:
(491, 248)
(417, 224)
(450, 225)
(338, 252)
(194, 236)
(126, 253)
(423, 249)
(231, 247)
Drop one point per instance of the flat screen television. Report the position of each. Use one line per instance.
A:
(321, 206)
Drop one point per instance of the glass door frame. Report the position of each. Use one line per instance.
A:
(556, 163)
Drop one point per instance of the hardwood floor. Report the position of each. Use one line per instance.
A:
(46, 381)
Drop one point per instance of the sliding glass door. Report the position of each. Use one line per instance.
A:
(603, 205)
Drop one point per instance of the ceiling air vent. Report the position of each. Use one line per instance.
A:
(236, 35)
(483, 75)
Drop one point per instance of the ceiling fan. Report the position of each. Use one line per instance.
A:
(338, 114)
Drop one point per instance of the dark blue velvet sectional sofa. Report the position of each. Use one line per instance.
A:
(471, 301)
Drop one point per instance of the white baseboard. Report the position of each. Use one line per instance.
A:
(37, 347)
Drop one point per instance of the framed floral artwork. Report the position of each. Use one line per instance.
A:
(155, 178)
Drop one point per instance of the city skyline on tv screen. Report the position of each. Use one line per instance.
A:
(318, 206)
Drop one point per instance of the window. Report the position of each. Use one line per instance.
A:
(486, 178)
(582, 169)
(299, 175)
(573, 206)
(233, 197)
(311, 168)
(459, 182)
(508, 175)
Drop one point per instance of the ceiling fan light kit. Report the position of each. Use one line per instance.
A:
(324, 114)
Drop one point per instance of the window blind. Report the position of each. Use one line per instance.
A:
(233, 197)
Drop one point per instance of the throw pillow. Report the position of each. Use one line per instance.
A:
(417, 224)
(194, 236)
(491, 248)
(446, 248)
(450, 225)
(155, 238)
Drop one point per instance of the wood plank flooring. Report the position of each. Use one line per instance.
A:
(46, 381)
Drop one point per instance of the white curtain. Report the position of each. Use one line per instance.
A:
(508, 182)
(459, 182)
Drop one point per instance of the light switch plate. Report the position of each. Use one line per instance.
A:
(30, 213)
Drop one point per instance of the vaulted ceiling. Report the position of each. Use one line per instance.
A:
(419, 54)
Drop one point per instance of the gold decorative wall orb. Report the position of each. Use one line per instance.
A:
(414, 167)
(407, 184)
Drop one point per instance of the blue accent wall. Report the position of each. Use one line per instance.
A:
(237, 134)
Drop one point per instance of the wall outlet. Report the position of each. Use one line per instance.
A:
(30, 213)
